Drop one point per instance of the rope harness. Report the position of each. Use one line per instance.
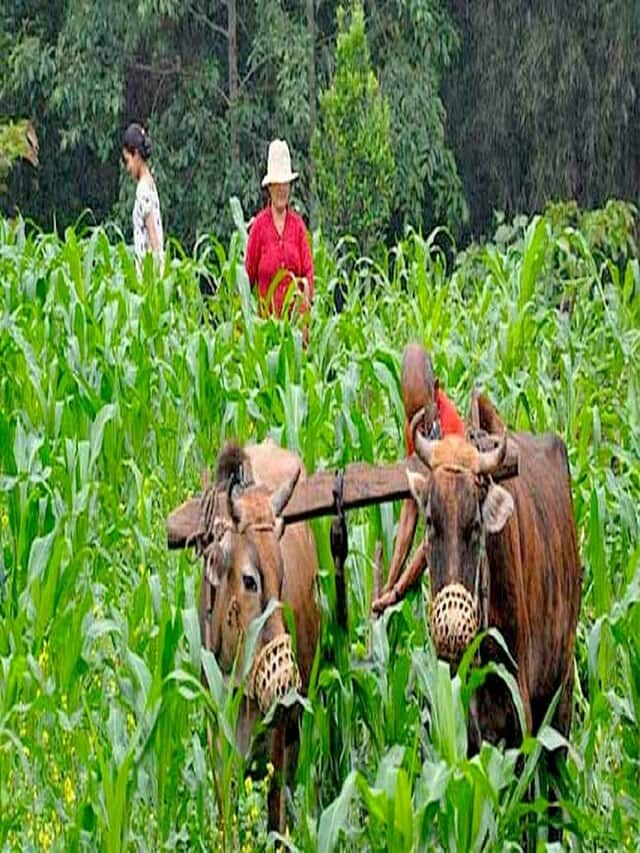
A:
(339, 541)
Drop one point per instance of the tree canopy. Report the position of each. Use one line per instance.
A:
(354, 164)
(491, 106)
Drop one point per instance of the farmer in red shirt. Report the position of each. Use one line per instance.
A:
(278, 252)
(426, 402)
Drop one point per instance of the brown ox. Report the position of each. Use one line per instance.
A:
(249, 559)
(504, 557)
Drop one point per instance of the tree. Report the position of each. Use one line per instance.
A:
(498, 104)
(351, 149)
(311, 81)
(413, 43)
(213, 82)
(543, 104)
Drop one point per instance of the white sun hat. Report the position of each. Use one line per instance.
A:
(279, 164)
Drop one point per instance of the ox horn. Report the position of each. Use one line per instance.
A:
(281, 497)
(490, 460)
(417, 420)
(424, 448)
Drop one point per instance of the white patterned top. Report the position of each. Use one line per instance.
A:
(147, 202)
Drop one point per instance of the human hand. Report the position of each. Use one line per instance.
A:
(304, 284)
(387, 599)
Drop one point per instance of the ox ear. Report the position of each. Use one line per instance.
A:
(497, 508)
(418, 487)
(183, 523)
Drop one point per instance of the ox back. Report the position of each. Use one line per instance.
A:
(535, 586)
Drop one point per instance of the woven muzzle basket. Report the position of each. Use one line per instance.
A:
(274, 672)
(453, 621)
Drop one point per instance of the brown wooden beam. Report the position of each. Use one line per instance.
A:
(365, 485)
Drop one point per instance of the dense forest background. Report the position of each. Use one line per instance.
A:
(441, 111)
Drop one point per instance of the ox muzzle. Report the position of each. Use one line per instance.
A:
(453, 621)
(274, 673)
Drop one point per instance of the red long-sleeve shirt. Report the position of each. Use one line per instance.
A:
(268, 253)
(450, 421)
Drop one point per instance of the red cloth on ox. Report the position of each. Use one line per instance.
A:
(268, 253)
(450, 421)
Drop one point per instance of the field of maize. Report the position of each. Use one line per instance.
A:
(117, 390)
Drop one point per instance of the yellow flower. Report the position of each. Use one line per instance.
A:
(270, 769)
(254, 813)
(69, 794)
(248, 785)
(43, 657)
(44, 839)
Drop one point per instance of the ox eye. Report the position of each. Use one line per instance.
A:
(249, 583)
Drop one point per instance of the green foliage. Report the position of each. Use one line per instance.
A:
(280, 51)
(116, 391)
(413, 44)
(351, 149)
(495, 106)
(17, 140)
(543, 105)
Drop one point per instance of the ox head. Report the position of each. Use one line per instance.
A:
(461, 505)
(236, 527)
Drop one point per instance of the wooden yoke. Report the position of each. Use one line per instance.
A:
(364, 485)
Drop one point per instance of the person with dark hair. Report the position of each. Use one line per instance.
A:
(147, 222)
(278, 251)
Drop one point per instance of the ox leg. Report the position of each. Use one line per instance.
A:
(277, 811)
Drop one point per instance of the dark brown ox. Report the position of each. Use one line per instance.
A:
(250, 558)
(504, 557)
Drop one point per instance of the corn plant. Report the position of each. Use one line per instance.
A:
(117, 390)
